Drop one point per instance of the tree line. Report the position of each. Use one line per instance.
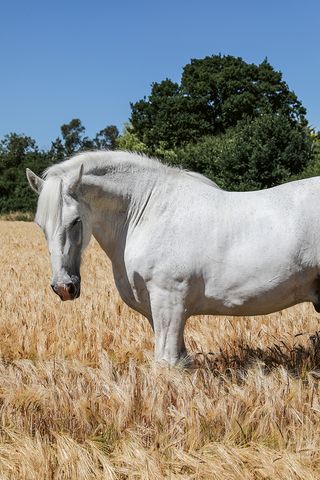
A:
(237, 123)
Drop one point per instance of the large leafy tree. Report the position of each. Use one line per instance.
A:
(107, 138)
(74, 140)
(253, 155)
(215, 93)
(14, 148)
(16, 153)
(20, 151)
(72, 133)
(168, 118)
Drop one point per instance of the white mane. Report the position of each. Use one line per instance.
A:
(57, 177)
(104, 161)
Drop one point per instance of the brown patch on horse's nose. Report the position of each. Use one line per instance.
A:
(65, 291)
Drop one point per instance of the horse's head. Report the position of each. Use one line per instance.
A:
(65, 222)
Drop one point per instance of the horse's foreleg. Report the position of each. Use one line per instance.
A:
(169, 317)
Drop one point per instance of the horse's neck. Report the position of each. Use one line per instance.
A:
(115, 201)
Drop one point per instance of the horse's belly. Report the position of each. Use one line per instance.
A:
(259, 297)
(247, 308)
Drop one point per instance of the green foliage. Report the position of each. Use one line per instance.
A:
(215, 94)
(17, 152)
(74, 140)
(107, 138)
(129, 141)
(255, 154)
(168, 118)
(72, 134)
(313, 167)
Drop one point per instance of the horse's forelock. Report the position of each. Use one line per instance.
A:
(50, 202)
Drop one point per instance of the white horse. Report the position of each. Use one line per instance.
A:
(178, 244)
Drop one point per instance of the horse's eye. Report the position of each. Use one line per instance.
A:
(75, 221)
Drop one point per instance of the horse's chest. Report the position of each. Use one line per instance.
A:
(132, 289)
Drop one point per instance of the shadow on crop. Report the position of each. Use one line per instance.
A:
(297, 358)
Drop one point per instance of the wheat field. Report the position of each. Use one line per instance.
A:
(81, 399)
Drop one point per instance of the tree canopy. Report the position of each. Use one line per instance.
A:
(252, 155)
(214, 94)
(20, 151)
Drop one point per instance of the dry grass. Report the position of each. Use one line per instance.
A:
(17, 216)
(81, 399)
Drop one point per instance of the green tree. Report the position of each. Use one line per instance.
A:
(313, 167)
(168, 118)
(16, 153)
(130, 141)
(73, 135)
(254, 154)
(214, 94)
(107, 138)
(57, 151)
(74, 140)
(14, 148)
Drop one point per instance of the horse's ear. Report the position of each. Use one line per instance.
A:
(74, 187)
(35, 182)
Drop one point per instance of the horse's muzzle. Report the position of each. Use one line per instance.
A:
(67, 291)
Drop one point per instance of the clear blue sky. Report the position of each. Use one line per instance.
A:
(90, 59)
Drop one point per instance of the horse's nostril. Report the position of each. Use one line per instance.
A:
(71, 288)
(66, 291)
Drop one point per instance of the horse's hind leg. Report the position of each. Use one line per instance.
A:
(169, 319)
